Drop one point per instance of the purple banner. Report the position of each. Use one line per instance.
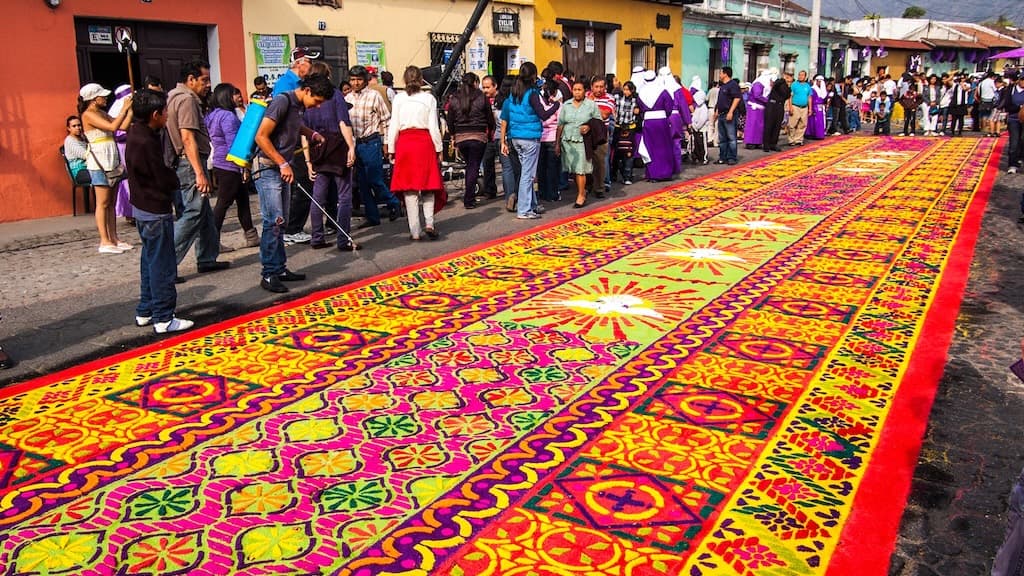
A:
(725, 50)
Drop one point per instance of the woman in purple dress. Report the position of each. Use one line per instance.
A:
(816, 114)
(123, 206)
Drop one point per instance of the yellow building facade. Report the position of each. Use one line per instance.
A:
(387, 35)
(595, 37)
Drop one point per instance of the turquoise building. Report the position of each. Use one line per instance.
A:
(751, 35)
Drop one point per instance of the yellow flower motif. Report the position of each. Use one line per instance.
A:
(271, 543)
(366, 402)
(57, 553)
(435, 400)
(488, 340)
(243, 463)
(484, 375)
(261, 498)
(311, 430)
(334, 463)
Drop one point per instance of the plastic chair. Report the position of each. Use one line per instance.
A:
(87, 189)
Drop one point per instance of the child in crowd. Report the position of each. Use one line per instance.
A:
(699, 137)
(853, 108)
(152, 187)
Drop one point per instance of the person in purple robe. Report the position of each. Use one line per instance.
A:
(680, 119)
(816, 114)
(656, 146)
(757, 102)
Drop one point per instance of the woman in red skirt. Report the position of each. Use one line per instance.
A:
(414, 139)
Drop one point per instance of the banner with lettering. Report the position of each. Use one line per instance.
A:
(273, 52)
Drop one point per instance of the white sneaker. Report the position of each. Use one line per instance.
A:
(143, 320)
(297, 238)
(124, 246)
(627, 183)
(175, 325)
(1011, 170)
(110, 249)
(528, 216)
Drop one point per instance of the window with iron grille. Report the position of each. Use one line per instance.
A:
(333, 50)
(661, 56)
(638, 55)
(441, 46)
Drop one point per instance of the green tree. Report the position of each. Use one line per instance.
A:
(1002, 21)
(913, 12)
(873, 16)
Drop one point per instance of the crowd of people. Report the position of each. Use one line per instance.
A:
(355, 145)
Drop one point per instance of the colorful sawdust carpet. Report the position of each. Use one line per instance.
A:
(725, 377)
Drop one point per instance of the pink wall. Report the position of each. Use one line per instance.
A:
(40, 69)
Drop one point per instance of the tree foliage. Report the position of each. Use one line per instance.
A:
(914, 12)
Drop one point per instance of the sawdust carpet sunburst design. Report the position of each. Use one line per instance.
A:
(719, 378)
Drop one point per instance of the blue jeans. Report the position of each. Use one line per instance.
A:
(853, 119)
(157, 269)
(529, 153)
(321, 192)
(370, 168)
(727, 140)
(510, 169)
(196, 221)
(275, 198)
(548, 169)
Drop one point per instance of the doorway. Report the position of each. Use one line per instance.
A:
(497, 62)
(162, 50)
(583, 51)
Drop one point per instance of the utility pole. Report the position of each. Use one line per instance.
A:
(460, 47)
(815, 31)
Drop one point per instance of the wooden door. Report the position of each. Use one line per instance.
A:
(583, 51)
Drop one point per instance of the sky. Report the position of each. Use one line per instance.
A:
(958, 10)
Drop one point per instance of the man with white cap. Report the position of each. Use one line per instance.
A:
(297, 70)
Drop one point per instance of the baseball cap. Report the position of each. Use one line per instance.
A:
(300, 52)
(92, 90)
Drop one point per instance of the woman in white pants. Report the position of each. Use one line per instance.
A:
(932, 97)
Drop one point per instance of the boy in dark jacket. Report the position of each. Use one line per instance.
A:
(153, 186)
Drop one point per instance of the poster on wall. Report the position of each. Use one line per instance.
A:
(588, 41)
(272, 54)
(478, 54)
(371, 54)
(513, 59)
(100, 35)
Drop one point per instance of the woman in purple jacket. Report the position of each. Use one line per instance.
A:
(222, 123)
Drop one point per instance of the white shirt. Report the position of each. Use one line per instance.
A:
(416, 111)
(889, 86)
(988, 89)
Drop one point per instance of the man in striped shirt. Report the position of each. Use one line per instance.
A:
(370, 117)
(602, 166)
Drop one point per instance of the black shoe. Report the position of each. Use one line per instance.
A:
(214, 267)
(470, 205)
(599, 194)
(5, 360)
(319, 245)
(578, 204)
(289, 276)
(273, 284)
(431, 233)
(719, 162)
(394, 214)
(348, 247)
(367, 224)
(776, 149)
(1020, 220)
(179, 280)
